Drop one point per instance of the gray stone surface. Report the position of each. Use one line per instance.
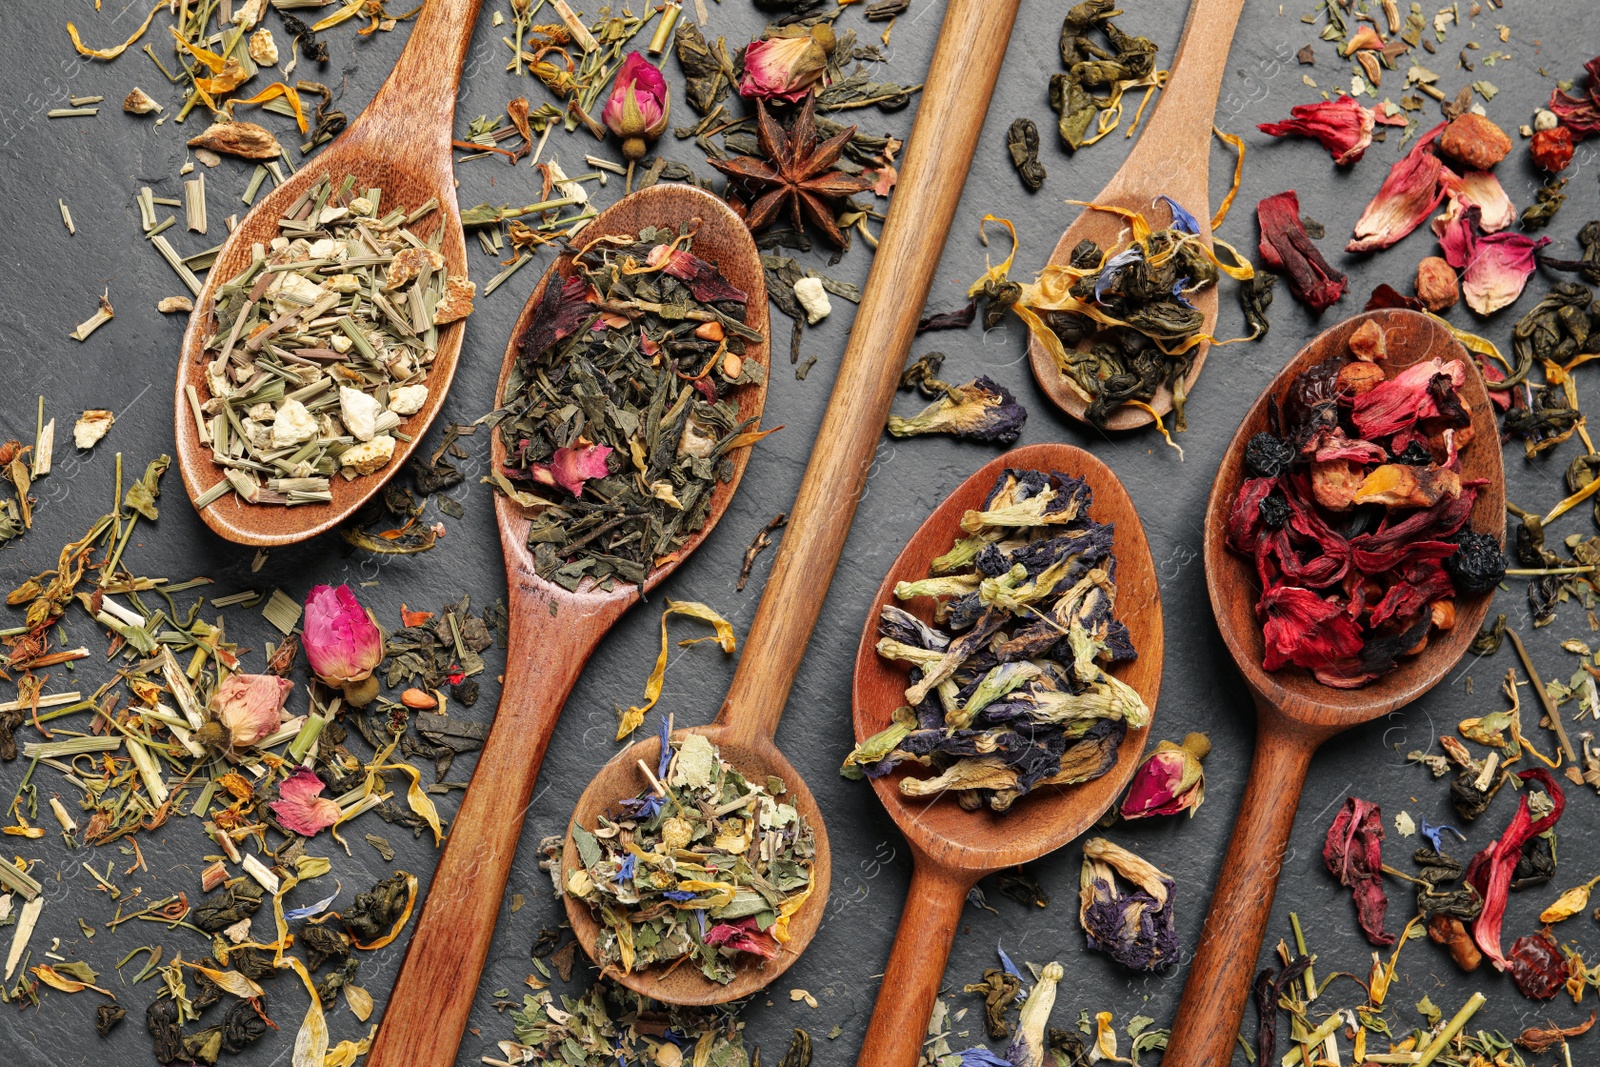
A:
(51, 281)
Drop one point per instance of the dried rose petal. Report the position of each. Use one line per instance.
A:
(571, 467)
(300, 807)
(705, 283)
(1343, 126)
(250, 706)
(1480, 189)
(1495, 267)
(1408, 196)
(742, 936)
(1286, 246)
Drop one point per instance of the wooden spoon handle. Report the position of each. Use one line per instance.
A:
(972, 44)
(428, 1008)
(1222, 971)
(416, 105)
(1188, 104)
(916, 966)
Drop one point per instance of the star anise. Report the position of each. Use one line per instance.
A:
(797, 171)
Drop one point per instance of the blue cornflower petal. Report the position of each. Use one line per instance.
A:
(1177, 292)
(680, 895)
(666, 749)
(978, 1056)
(1109, 269)
(1181, 219)
(630, 863)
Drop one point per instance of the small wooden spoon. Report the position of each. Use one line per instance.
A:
(400, 144)
(1171, 158)
(951, 848)
(1295, 712)
(972, 44)
(553, 633)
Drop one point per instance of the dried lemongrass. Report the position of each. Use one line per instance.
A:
(194, 204)
(66, 218)
(26, 920)
(95, 321)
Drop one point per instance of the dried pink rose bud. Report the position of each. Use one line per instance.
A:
(638, 106)
(247, 707)
(784, 68)
(1408, 196)
(1169, 780)
(342, 643)
(300, 806)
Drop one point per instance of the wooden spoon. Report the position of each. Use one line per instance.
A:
(1296, 713)
(553, 632)
(1171, 158)
(972, 44)
(400, 144)
(951, 848)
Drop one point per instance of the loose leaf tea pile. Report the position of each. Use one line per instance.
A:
(1355, 513)
(321, 347)
(621, 414)
(1010, 687)
(705, 864)
(1118, 322)
(1128, 63)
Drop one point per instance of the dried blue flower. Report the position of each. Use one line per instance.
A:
(1029, 1046)
(978, 1056)
(1136, 928)
(980, 410)
(1181, 219)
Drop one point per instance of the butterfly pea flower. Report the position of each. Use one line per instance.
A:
(785, 68)
(1134, 927)
(1029, 1045)
(247, 708)
(301, 807)
(638, 106)
(1342, 126)
(342, 643)
(980, 410)
(1170, 780)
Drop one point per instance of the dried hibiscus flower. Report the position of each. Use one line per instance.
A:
(1286, 246)
(1491, 870)
(1353, 852)
(1581, 113)
(1343, 126)
(1135, 928)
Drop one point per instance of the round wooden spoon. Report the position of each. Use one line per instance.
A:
(972, 44)
(400, 144)
(1170, 158)
(952, 848)
(1295, 712)
(553, 633)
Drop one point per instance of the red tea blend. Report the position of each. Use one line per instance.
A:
(1354, 511)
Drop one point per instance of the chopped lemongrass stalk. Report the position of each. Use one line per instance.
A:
(147, 209)
(289, 730)
(212, 495)
(261, 873)
(132, 618)
(84, 101)
(182, 691)
(495, 282)
(234, 598)
(282, 611)
(16, 880)
(54, 700)
(194, 203)
(26, 920)
(71, 112)
(66, 217)
(95, 321)
(149, 770)
(306, 737)
(44, 447)
(68, 823)
(170, 254)
(70, 746)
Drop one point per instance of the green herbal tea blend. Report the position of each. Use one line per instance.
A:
(705, 864)
(1009, 683)
(1118, 321)
(622, 414)
(323, 344)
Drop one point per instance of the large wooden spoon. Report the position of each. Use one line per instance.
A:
(972, 44)
(952, 848)
(400, 144)
(1170, 158)
(553, 633)
(1295, 712)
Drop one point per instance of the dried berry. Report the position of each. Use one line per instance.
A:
(1474, 141)
(1267, 456)
(1552, 149)
(1478, 564)
(1437, 286)
(1416, 454)
(1274, 511)
(1537, 965)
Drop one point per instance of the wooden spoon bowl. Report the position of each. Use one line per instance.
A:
(1170, 158)
(953, 848)
(1296, 713)
(400, 144)
(553, 633)
(755, 755)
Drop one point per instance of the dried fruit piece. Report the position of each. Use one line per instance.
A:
(1437, 287)
(1552, 149)
(1366, 343)
(1451, 932)
(1537, 965)
(1401, 485)
(1474, 141)
(91, 426)
(1358, 379)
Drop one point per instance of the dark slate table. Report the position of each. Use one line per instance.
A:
(51, 281)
